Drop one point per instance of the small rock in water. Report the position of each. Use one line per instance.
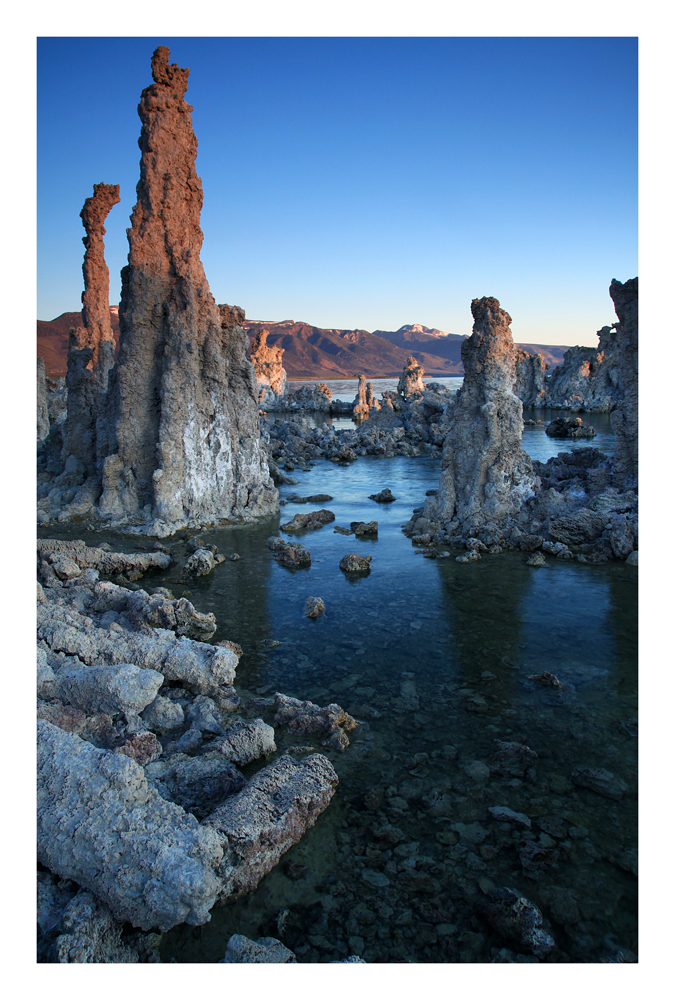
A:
(361, 528)
(477, 770)
(536, 559)
(241, 949)
(548, 680)
(314, 607)
(384, 496)
(506, 815)
(342, 531)
(516, 919)
(599, 780)
(353, 563)
(468, 557)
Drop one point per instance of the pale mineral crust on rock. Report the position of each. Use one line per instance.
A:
(91, 347)
(410, 384)
(269, 370)
(530, 385)
(184, 446)
(241, 949)
(100, 824)
(361, 406)
(625, 417)
(486, 475)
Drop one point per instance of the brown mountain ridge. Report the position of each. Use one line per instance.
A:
(311, 352)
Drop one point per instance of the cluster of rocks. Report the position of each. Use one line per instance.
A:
(167, 437)
(492, 496)
(590, 379)
(141, 742)
(416, 425)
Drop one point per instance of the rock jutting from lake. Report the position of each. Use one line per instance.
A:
(486, 476)
(625, 416)
(269, 370)
(184, 443)
(175, 441)
(91, 348)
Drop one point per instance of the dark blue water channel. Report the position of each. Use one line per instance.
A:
(433, 658)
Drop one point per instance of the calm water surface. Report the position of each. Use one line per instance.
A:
(433, 658)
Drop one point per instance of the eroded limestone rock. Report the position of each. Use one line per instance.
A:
(486, 475)
(410, 384)
(100, 824)
(91, 347)
(184, 446)
(361, 406)
(42, 403)
(269, 370)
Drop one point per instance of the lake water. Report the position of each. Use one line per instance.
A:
(433, 658)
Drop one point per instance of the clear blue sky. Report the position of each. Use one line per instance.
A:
(365, 182)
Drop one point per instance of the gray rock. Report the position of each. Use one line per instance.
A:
(486, 476)
(106, 562)
(308, 522)
(625, 417)
(202, 668)
(101, 824)
(308, 719)
(600, 780)
(121, 687)
(265, 949)
(163, 715)
(197, 784)
(200, 563)
(204, 714)
(244, 741)
(42, 404)
(506, 815)
(46, 680)
(354, 563)
(314, 607)
(269, 815)
(516, 919)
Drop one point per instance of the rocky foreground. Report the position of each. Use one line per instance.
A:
(145, 819)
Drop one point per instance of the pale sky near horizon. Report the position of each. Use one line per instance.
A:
(365, 182)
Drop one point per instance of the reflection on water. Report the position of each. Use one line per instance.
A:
(434, 658)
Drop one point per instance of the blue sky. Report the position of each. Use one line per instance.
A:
(365, 182)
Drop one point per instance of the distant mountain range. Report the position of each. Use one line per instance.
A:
(311, 352)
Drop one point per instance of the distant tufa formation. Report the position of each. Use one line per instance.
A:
(172, 438)
(269, 370)
(486, 475)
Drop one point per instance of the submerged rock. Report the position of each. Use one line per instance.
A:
(308, 719)
(314, 607)
(517, 920)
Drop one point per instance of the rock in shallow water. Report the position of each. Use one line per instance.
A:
(353, 563)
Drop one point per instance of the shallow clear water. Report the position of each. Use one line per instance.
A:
(404, 650)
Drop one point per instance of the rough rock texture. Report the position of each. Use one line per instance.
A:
(109, 563)
(314, 607)
(353, 563)
(122, 687)
(91, 347)
(268, 816)
(410, 384)
(293, 555)
(265, 949)
(184, 446)
(486, 475)
(100, 824)
(308, 719)
(269, 371)
(308, 522)
(75, 927)
(202, 668)
(308, 397)
(625, 417)
(569, 427)
(244, 741)
(361, 406)
(42, 403)
(516, 919)
(196, 784)
(530, 384)
(588, 378)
